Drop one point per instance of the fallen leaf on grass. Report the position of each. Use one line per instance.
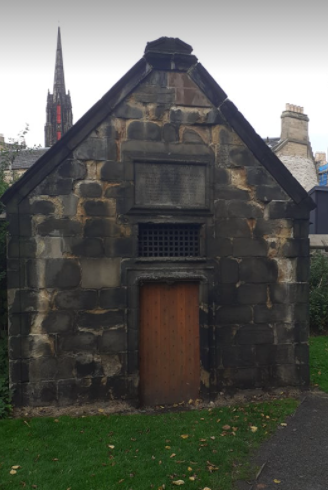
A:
(16, 467)
(55, 459)
(56, 420)
(212, 437)
(192, 478)
(184, 436)
(121, 480)
(173, 455)
(253, 428)
(178, 482)
(226, 427)
(283, 425)
(111, 446)
(189, 468)
(13, 472)
(206, 488)
(167, 447)
(276, 481)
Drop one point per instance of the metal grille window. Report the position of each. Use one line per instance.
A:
(178, 240)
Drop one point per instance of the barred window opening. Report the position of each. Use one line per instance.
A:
(177, 240)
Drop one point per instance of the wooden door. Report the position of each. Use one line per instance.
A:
(169, 343)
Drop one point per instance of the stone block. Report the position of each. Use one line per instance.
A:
(273, 228)
(88, 366)
(144, 131)
(242, 157)
(73, 169)
(267, 193)
(23, 248)
(112, 298)
(258, 269)
(90, 189)
(191, 97)
(79, 342)
(78, 299)
(225, 294)
(104, 227)
(69, 204)
(155, 94)
(50, 368)
(277, 313)
(127, 111)
(62, 273)
(301, 331)
(274, 354)
(85, 247)
(43, 393)
(236, 314)
(42, 207)
(289, 293)
(58, 322)
(28, 300)
(225, 335)
(54, 186)
(297, 247)
(191, 136)
(59, 227)
(19, 371)
(112, 341)
(301, 228)
(99, 208)
(258, 176)
(255, 334)
(302, 353)
(240, 209)
(20, 227)
(100, 320)
(101, 273)
(119, 247)
(252, 294)
(238, 356)
(231, 228)
(218, 247)
(228, 271)
(185, 116)
(170, 133)
(284, 333)
(157, 78)
(286, 375)
(115, 191)
(250, 247)
(112, 171)
(221, 176)
(92, 149)
(228, 192)
(303, 269)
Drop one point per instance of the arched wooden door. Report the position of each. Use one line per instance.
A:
(169, 343)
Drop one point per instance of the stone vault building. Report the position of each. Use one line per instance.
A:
(159, 251)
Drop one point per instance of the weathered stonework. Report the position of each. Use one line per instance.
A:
(74, 271)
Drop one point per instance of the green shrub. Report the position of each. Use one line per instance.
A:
(5, 397)
(319, 293)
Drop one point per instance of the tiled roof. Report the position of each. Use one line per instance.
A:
(26, 158)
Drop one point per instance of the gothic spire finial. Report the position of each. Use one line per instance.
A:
(59, 79)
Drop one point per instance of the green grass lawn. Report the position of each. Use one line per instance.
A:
(319, 361)
(206, 448)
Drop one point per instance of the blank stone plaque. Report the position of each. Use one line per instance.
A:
(167, 184)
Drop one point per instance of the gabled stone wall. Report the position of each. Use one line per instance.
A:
(74, 270)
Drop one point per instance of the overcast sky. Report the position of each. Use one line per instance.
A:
(263, 54)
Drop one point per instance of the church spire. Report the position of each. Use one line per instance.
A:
(59, 106)
(59, 79)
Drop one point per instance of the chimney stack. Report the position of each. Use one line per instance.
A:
(294, 124)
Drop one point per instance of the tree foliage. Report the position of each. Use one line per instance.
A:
(319, 293)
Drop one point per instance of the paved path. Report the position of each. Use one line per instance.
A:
(297, 455)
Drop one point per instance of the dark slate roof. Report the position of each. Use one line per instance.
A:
(272, 142)
(172, 54)
(26, 158)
